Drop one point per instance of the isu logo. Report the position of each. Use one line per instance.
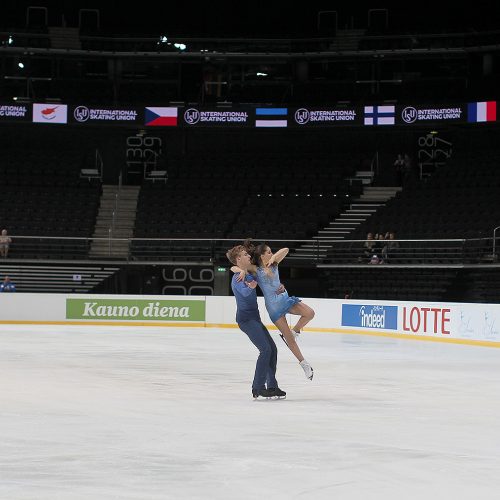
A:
(302, 116)
(81, 114)
(409, 115)
(191, 116)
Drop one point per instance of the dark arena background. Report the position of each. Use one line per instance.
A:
(139, 142)
(136, 142)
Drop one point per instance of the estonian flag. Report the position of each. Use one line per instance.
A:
(380, 115)
(482, 111)
(271, 117)
(161, 117)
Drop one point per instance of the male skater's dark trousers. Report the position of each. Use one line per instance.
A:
(265, 369)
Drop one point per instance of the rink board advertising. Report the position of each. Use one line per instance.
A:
(135, 310)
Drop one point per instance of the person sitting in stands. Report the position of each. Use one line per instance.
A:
(368, 246)
(7, 285)
(392, 245)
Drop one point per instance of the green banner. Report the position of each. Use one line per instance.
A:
(130, 309)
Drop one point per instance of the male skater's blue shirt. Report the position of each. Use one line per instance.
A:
(246, 300)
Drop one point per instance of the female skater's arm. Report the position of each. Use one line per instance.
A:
(277, 257)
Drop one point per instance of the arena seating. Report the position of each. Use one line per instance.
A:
(43, 197)
(459, 201)
(384, 283)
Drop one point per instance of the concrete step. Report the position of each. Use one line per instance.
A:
(344, 223)
(332, 237)
(105, 251)
(115, 234)
(366, 205)
(108, 215)
(112, 254)
(385, 188)
(350, 218)
(114, 187)
(104, 228)
(333, 231)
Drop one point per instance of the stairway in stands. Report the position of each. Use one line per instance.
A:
(372, 198)
(116, 219)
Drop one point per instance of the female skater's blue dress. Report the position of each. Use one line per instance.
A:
(277, 305)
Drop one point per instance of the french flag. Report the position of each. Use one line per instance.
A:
(482, 111)
(161, 117)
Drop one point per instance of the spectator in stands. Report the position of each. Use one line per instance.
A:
(382, 246)
(376, 259)
(7, 285)
(368, 246)
(408, 169)
(392, 245)
(377, 244)
(5, 241)
(399, 165)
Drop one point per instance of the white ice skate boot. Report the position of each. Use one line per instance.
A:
(307, 369)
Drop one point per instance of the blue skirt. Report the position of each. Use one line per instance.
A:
(279, 305)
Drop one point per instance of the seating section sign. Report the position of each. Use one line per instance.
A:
(345, 115)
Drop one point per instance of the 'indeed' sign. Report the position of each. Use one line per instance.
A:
(370, 316)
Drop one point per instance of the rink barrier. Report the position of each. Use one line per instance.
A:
(455, 323)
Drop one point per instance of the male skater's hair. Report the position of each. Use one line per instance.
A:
(235, 252)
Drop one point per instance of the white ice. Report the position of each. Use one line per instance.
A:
(164, 413)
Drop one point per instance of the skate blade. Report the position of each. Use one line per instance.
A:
(283, 338)
(270, 398)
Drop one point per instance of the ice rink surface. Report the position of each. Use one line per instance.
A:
(163, 413)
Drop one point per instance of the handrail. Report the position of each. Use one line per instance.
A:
(454, 252)
(277, 41)
(99, 164)
(494, 242)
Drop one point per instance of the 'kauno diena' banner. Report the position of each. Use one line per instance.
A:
(135, 310)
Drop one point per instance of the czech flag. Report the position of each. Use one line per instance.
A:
(161, 117)
(482, 112)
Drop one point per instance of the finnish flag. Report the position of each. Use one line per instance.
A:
(380, 115)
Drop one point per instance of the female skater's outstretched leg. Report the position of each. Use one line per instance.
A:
(290, 341)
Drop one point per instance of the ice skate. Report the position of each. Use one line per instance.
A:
(278, 393)
(264, 393)
(296, 335)
(308, 370)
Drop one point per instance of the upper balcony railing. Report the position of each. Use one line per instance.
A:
(192, 47)
(323, 253)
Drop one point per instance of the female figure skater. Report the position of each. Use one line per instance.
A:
(278, 303)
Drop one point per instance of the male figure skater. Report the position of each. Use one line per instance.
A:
(248, 319)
